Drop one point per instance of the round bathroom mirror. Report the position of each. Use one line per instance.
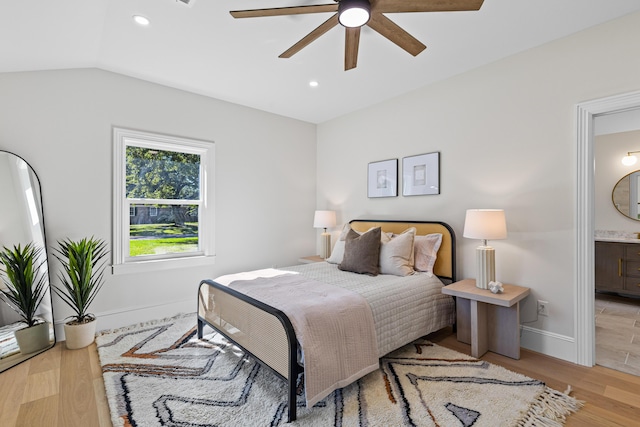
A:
(626, 195)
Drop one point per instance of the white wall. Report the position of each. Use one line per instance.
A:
(506, 134)
(608, 152)
(60, 122)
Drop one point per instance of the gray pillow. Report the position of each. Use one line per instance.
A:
(362, 252)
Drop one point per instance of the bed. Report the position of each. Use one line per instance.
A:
(402, 308)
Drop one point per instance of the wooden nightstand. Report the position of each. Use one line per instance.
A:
(311, 259)
(488, 321)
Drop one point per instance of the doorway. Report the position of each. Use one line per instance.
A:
(617, 302)
(584, 286)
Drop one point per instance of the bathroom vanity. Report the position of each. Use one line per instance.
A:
(617, 265)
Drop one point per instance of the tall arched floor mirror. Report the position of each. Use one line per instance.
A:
(21, 226)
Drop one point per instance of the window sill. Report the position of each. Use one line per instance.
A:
(162, 264)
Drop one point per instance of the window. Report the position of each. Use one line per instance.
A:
(162, 217)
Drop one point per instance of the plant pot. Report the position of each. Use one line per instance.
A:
(80, 335)
(33, 338)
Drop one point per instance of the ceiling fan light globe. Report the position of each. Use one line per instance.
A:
(354, 13)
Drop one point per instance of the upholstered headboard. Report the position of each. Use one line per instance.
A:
(445, 266)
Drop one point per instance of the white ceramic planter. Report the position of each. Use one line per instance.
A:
(79, 336)
(33, 339)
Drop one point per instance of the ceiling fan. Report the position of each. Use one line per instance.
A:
(354, 14)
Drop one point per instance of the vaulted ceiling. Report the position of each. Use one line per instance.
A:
(201, 48)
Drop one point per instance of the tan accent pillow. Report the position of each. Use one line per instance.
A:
(362, 252)
(396, 253)
(426, 252)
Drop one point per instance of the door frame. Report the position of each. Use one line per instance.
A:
(584, 285)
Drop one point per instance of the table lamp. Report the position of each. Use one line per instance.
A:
(325, 219)
(485, 224)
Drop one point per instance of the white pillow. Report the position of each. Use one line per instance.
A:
(338, 249)
(426, 252)
(396, 253)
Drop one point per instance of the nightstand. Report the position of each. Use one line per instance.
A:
(488, 321)
(311, 259)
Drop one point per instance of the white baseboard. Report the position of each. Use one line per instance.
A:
(538, 340)
(131, 315)
(549, 343)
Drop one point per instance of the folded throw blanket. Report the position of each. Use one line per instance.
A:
(334, 326)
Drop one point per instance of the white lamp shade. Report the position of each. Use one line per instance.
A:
(324, 219)
(629, 160)
(485, 224)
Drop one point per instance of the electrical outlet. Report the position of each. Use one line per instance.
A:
(543, 308)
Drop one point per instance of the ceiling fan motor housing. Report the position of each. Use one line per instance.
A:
(354, 13)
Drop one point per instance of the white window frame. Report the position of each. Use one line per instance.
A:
(153, 211)
(121, 262)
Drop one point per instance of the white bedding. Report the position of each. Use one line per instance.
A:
(404, 308)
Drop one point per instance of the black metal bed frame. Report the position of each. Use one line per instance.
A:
(295, 369)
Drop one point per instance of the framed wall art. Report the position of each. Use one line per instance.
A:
(421, 174)
(382, 178)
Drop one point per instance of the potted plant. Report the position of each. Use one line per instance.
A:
(26, 285)
(82, 276)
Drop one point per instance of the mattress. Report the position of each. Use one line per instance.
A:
(404, 308)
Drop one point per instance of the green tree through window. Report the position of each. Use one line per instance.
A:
(169, 175)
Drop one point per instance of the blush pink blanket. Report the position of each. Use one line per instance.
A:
(334, 326)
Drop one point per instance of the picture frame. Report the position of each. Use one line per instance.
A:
(421, 174)
(382, 178)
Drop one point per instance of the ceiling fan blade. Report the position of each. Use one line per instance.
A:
(351, 43)
(280, 11)
(395, 33)
(313, 35)
(393, 6)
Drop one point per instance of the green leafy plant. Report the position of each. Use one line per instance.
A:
(83, 263)
(26, 281)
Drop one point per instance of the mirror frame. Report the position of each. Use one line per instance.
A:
(15, 359)
(633, 189)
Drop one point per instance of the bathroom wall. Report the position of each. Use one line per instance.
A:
(608, 152)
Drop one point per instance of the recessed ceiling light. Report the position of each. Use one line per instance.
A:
(313, 83)
(141, 20)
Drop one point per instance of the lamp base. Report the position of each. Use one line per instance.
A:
(326, 245)
(486, 266)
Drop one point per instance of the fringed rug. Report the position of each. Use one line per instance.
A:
(160, 374)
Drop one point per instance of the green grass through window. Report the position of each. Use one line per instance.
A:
(154, 239)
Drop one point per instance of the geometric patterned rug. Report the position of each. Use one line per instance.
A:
(160, 374)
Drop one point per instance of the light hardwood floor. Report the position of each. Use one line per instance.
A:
(58, 388)
(64, 388)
